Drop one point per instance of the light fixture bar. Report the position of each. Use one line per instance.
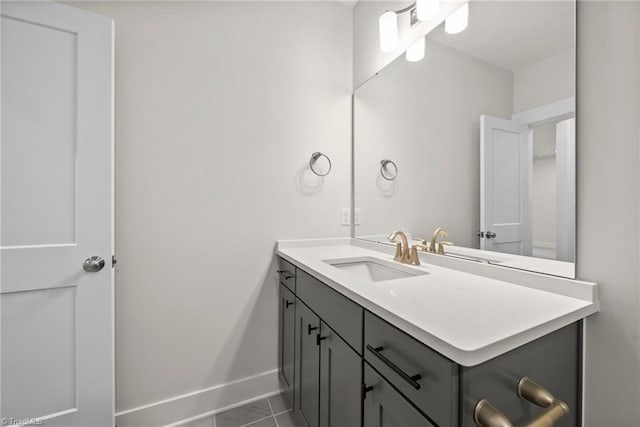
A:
(415, 52)
(427, 9)
(457, 22)
(388, 28)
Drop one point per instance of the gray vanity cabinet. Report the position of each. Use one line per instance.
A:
(307, 366)
(351, 368)
(286, 322)
(384, 406)
(340, 381)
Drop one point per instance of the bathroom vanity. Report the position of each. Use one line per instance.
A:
(367, 341)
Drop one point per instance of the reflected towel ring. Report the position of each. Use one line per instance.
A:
(386, 172)
(314, 159)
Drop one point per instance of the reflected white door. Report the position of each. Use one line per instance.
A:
(57, 210)
(505, 186)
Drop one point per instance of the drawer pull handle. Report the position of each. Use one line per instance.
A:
(288, 303)
(311, 328)
(487, 415)
(411, 379)
(287, 274)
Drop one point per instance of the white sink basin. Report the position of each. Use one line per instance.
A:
(372, 269)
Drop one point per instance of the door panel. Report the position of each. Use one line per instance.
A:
(340, 381)
(38, 74)
(505, 186)
(286, 342)
(41, 390)
(307, 366)
(56, 210)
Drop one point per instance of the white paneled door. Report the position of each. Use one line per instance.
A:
(506, 157)
(57, 335)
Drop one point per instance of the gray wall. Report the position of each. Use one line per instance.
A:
(608, 230)
(219, 106)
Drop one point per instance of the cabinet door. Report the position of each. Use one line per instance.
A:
(553, 361)
(286, 346)
(385, 407)
(340, 381)
(307, 366)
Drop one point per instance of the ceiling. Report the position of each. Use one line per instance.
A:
(513, 34)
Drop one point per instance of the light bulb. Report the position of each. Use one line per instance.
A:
(388, 23)
(427, 9)
(458, 20)
(415, 52)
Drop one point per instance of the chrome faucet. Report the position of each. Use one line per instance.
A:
(438, 247)
(402, 247)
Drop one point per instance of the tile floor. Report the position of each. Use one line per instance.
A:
(271, 412)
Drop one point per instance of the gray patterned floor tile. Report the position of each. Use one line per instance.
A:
(202, 422)
(266, 422)
(279, 404)
(286, 420)
(243, 415)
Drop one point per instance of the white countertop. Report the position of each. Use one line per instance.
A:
(468, 318)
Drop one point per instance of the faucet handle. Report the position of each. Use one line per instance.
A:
(420, 247)
(413, 258)
(441, 246)
(421, 240)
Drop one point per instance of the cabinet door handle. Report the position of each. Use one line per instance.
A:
(287, 274)
(288, 303)
(319, 338)
(487, 415)
(366, 389)
(411, 379)
(311, 328)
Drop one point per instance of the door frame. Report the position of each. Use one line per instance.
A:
(547, 113)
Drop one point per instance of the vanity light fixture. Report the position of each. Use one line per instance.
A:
(415, 52)
(457, 22)
(427, 9)
(388, 26)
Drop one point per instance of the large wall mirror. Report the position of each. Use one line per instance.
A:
(477, 138)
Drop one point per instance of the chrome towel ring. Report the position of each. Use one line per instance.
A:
(313, 164)
(388, 169)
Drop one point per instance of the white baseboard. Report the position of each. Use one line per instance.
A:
(201, 403)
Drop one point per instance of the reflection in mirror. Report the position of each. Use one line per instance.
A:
(482, 131)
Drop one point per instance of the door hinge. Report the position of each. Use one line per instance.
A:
(113, 261)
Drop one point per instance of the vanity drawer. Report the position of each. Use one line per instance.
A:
(400, 358)
(287, 274)
(339, 312)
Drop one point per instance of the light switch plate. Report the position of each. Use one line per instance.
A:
(358, 216)
(345, 216)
